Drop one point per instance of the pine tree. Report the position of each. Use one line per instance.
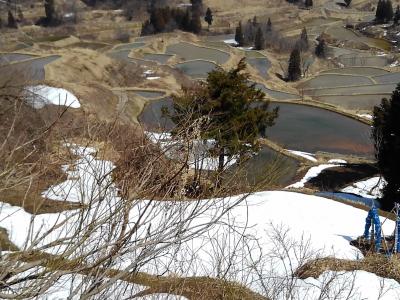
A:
(304, 45)
(11, 21)
(308, 3)
(386, 134)
(239, 37)
(388, 11)
(157, 20)
(294, 70)
(195, 24)
(234, 110)
(348, 2)
(379, 14)
(208, 17)
(396, 17)
(320, 49)
(50, 11)
(269, 25)
(259, 43)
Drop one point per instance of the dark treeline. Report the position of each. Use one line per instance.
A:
(166, 19)
(384, 11)
(262, 35)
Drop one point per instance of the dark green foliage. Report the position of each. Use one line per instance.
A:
(384, 11)
(309, 3)
(348, 2)
(396, 17)
(11, 21)
(386, 135)
(195, 24)
(166, 19)
(303, 41)
(50, 10)
(208, 17)
(294, 70)
(227, 109)
(320, 49)
(259, 43)
(239, 37)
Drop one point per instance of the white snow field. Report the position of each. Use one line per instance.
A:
(43, 94)
(259, 240)
(306, 155)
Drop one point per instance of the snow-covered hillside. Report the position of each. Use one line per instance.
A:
(259, 241)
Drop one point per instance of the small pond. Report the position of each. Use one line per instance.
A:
(192, 52)
(149, 94)
(6, 58)
(152, 117)
(160, 58)
(196, 68)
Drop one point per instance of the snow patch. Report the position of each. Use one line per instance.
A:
(370, 188)
(40, 95)
(312, 172)
(306, 155)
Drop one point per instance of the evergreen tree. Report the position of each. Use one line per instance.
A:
(229, 109)
(195, 24)
(294, 70)
(320, 49)
(379, 14)
(386, 134)
(197, 7)
(308, 3)
(259, 43)
(11, 21)
(304, 45)
(208, 17)
(50, 11)
(396, 17)
(388, 11)
(348, 2)
(239, 37)
(1, 23)
(269, 25)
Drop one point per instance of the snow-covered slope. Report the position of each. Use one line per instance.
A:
(258, 242)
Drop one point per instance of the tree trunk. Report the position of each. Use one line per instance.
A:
(221, 159)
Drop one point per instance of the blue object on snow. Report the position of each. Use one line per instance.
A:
(398, 231)
(373, 219)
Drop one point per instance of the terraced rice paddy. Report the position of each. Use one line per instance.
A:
(278, 95)
(354, 102)
(364, 71)
(298, 127)
(363, 60)
(313, 129)
(149, 94)
(6, 58)
(157, 57)
(188, 51)
(388, 78)
(196, 68)
(261, 64)
(130, 46)
(31, 70)
(353, 90)
(89, 45)
(336, 80)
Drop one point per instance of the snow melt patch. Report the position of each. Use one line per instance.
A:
(153, 77)
(311, 173)
(231, 42)
(366, 116)
(40, 95)
(306, 155)
(370, 188)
